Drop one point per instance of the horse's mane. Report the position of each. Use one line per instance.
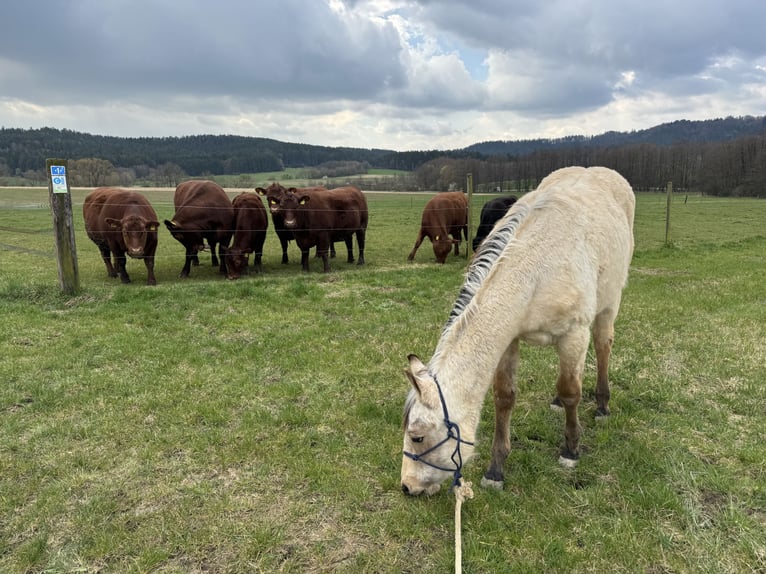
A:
(486, 257)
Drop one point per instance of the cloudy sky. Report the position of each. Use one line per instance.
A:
(393, 74)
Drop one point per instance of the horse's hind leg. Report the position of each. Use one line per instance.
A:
(504, 392)
(572, 350)
(603, 337)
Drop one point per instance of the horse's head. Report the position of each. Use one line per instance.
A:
(432, 443)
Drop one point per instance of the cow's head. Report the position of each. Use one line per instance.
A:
(274, 195)
(237, 261)
(135, 231)
(188, 237)
(292, 202)
(443, 243)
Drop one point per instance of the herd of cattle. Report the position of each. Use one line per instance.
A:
(123, 223)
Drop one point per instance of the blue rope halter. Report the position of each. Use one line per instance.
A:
(453, 432)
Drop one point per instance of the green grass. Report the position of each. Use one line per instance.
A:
(255, 426)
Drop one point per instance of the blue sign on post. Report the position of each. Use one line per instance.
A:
(58, 178)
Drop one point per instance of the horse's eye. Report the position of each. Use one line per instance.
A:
(417, 439)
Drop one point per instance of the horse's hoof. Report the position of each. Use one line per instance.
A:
(602, 415)
(556, 404)
(568, 463)
(494, 484)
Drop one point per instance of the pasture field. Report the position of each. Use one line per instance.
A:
(205, 425)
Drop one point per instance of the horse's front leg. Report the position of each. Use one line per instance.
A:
(572, 349)
(504, 393)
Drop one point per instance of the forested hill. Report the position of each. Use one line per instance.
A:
(21, 150)
(681, 131)
(26, 150)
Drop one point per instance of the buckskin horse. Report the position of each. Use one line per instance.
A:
(551, 273)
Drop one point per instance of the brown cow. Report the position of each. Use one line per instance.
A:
(444, 215)
(274, 194)
(203, 212)
(121, 222)
(321, 217)
(250, 227)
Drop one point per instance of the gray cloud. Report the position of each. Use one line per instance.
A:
(409, 74)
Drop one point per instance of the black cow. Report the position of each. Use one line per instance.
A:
(492, 211)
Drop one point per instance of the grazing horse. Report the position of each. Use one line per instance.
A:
(552, 270)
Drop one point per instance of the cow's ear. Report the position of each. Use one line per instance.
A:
(170, 225)
(152, 225)
(113, 223)
(304, 200)
(260, 191)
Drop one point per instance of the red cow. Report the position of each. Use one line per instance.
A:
(122, 222)
(274, 194)
(444, 215)
(203, 212)
(320, 217)
(250, 224)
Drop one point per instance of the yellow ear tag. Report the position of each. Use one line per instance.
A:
(303, 201)
(436, 238)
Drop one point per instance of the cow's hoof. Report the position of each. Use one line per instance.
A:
(493, 484)
(556, 404)
(602, 414)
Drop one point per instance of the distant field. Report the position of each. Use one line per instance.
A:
(205, 425)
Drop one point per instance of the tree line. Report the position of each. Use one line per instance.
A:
(730, 168)
(718, 157)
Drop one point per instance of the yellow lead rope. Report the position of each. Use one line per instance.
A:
(463, 491)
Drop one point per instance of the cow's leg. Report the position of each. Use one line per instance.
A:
(332, 250)
(258, 253)
(213, 257)
(284, 240)
(120, 261)
(305, 253)
(350, 247)
(195, 259)
(457, 244)
(149, 262)
(106, 255)
(572, 349)
(504, 393)
(222, 249)
(360, 237)
(191, 255)
(323, 250)
(418, 241)
(603, 338)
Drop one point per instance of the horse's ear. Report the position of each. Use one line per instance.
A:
(422, 382)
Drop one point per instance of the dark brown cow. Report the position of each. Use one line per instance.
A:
(320, 217)
(444, 215)
(491, 212)
(274, 194)
(122, 222)
(203, 212)
(250, 224)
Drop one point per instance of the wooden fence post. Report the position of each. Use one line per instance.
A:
(63, 227)
(667, 213)
(469, 189)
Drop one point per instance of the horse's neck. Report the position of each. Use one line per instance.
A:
(465, 362)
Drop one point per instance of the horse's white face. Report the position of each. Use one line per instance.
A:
(424, 428)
